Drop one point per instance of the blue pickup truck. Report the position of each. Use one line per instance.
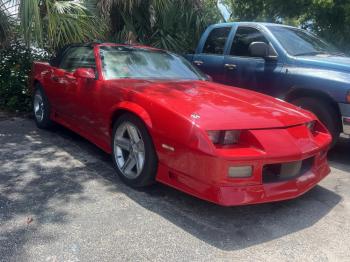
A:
(281, 61)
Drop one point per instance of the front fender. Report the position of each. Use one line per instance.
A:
(133, 108)
(330, 83)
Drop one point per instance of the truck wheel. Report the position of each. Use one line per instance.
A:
(41, 108)
(324, 111)
(134, 156)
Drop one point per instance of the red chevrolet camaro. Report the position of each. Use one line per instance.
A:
(162, 120)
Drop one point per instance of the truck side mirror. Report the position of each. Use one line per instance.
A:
(209, 78)
(261, 49)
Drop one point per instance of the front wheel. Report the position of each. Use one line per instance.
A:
(134, 156)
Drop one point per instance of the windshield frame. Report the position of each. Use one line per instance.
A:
(323, 48)
(185, 63)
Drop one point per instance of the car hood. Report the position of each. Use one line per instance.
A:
(341, 63)
(215, 106)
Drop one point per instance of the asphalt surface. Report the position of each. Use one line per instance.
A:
(61, 201)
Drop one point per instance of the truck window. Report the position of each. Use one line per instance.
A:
(77, 57)
(216, 41)
(300, 42)
(243, 38)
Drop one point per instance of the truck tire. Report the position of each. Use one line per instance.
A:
(324, 111)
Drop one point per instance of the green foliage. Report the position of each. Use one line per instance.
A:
(331, 20)
(6, 21)
(15, 66)
(327, 18)
(51, 24)
(174, 25)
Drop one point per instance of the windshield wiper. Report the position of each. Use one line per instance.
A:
(338, 54)
(313, 53)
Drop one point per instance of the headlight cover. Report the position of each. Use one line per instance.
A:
(224, 137)
(311, 126)
(316, 127)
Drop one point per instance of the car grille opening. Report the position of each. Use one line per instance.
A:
(286, 171)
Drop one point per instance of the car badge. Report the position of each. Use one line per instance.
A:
(195, 116)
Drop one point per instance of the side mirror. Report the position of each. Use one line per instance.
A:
(87, 73)
(261, 49)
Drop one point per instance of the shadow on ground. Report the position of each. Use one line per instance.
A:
(39, 168)
(339, 156)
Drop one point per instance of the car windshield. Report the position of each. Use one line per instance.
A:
(299, 42)
(130, 62)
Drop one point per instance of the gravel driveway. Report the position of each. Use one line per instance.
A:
(61, 201)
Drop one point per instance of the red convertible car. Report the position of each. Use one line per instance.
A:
(162, 120)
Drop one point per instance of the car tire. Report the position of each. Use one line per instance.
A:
(133, 153)
(41, 108)
(325, 112)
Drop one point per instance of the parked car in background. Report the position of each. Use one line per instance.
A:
(162, 120)
(281, 61)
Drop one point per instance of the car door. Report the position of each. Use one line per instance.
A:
(245, 71)
(50, 83)
(55, 89)
(211, 58)
(74, 58)
(88, 98)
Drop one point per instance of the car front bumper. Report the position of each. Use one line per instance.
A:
(228, 194)
(207, 177)
(345, 112)
(276, 191)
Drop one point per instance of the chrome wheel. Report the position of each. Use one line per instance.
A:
(38, 107)
(129, 150)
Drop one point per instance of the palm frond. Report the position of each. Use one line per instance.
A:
(4, 27)
(69, 22)
(7, 19)
(169, 24)
(53, 23)
(30, 20)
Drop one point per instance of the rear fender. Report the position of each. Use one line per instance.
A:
(39, 70)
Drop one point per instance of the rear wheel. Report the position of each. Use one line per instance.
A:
(134, 155)
(41, 108)
(324, 111)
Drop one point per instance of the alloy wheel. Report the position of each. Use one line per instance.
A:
(129, 150)
(38, 107)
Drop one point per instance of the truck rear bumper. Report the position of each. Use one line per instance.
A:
(345, 112)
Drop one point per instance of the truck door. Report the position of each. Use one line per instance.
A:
(210, 58)
(245, 71)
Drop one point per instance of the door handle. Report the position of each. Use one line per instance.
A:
(230, 66)
(198, 62)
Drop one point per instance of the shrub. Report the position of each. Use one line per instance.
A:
(15, 68)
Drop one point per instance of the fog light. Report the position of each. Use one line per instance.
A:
(240, 171)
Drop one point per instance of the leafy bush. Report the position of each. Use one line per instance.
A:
(15, 68)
